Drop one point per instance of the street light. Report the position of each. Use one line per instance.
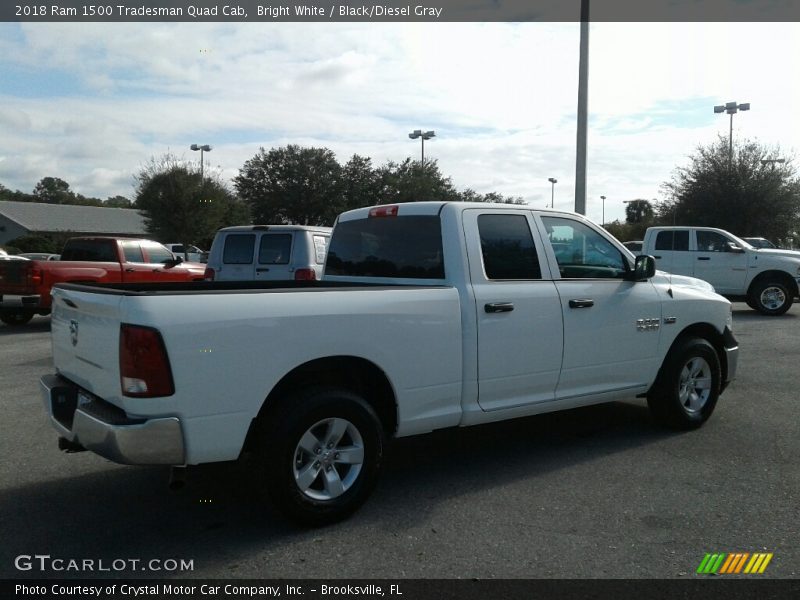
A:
(417, 133)
(772, 161)
(603, 198)
(553, 181)
(731, 108)
(204, 148)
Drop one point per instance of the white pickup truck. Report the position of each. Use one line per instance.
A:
(767, 279)
(430, 315)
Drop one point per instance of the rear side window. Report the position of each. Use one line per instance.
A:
(401, 247)
(90, 250)
(672, 240)
(275, 249)
(320, 248)
(238, 249)
(507, 247)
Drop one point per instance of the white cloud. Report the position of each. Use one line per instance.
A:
(501, 97)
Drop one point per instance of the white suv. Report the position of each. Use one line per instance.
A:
(268, 253)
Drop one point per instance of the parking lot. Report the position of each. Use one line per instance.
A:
(595, 492)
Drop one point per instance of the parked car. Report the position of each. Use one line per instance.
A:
(40, 256)
(268, 253)
(759, 242)
(766, 279)
(634, 246)
(430, 315)
(192, 253)
(25, 287)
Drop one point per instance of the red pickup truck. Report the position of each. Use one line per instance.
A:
(25, 284)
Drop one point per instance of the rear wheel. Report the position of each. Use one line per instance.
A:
(320, 454)
(771, 298)
(688, 385)
(17, 317)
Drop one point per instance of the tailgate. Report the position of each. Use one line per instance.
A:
(85, 336)
(14, 277)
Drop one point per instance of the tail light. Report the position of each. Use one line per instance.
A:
(34, 276)
(209, 274)
(384, 211)
(143, 363)
(305, 275)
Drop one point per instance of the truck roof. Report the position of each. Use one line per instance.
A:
(316, 228)
(435, 208)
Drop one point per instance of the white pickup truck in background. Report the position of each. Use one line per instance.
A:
(767, 279)
(430, 315)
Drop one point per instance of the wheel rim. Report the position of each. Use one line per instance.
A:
(694, 387)
(328, 459)
(772, 298)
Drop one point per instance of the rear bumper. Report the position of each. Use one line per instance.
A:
(106, 430)
(15, 302)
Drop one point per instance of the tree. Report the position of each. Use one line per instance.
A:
(747, 196)
(361, 184)
(117, 202)
(178, 206)
(53, 190)
(36, 243)
(411, 181)
(639, 211)
(292, 185)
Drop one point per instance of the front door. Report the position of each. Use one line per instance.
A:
(611, 326)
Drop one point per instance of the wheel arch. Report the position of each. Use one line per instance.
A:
(707, 332)
(352, 373)
(774, 275)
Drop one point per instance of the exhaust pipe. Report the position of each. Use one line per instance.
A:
(177, 478)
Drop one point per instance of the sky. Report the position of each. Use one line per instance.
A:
(91, 103)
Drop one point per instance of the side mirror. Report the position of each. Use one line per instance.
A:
(732, 247)
(173, 262)
(644, 268)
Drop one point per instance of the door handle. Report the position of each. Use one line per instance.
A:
(703, 258)
(262, 269)
(581, 303)
(658, 257)
(498, 307)
(130, 270)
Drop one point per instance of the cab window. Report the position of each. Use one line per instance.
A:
(581, 252)
(673, 240)
(711, 241)
(507, 247)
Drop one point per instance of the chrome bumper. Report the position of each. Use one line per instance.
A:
(106, 430)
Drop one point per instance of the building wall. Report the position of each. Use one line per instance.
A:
(10, 230)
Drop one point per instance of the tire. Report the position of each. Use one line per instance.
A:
(688, 385)
(16, 317)
(319, 455)
(771, 298)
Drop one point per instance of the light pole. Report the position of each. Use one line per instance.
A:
(204, 148)
(731, 108)
(772, 161)
(553, 181)
(418, 133)
(603, 198)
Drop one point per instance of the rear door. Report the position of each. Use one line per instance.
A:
(517, 308)
(672, 252)
(274, 256)
(238, 257)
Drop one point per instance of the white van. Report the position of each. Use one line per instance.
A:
(268, 252)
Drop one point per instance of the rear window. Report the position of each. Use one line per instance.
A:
(90, 250)
(238, 249)
(400, 247)
(275, 249)
(320, 248)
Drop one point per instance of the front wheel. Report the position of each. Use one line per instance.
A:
(688, 385)
(320, 455)
(770, 298)
(16, 317)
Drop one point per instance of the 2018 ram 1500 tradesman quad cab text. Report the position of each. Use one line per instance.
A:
(429, 315)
